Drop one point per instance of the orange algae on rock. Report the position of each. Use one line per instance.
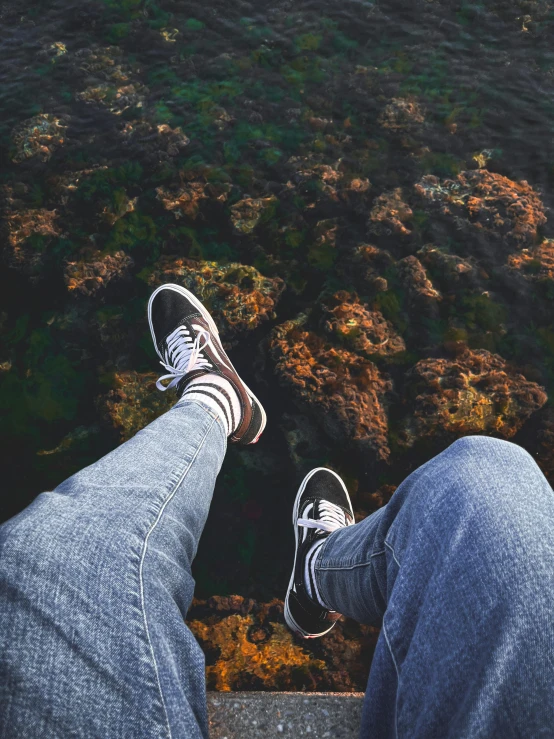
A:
(247, 213)
(418, 286)
(23, 224)
(477, 392)
(401, 114)
(93, 273)
(135, 402)
(239, 654)
(389, 214)
(185, 200)
(487, 205)
(38, 137)
(361, 330)
(345, 391)
(249, 647)
(536, 264)
(238, 296)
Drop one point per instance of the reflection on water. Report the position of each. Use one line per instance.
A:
(360, 191)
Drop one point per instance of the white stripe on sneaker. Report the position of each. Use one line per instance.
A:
(222, 396)
(228, 390)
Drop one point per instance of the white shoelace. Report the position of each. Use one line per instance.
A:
(332, 518)
(183, 354)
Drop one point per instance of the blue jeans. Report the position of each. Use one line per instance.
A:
(95, 582)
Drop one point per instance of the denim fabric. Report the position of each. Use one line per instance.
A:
(95, 582)
(458, 569)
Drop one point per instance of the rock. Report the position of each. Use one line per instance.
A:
(38, 137)
(364, 267)
(389, 214)
(322, 253)
(185, 200)
(475, 393)
(536, 264)
(418, 286)
(120, 205)
(359, 329)
(485, 206)
(344, 391)
(173, 139)
(238, 296)
(24, 253)
(332, 179)
(95, 271)
(401, 115)
(304, 441)
(247, 213)
(109, 80)
(453, 270)
(135, 402)
(25, 223)
(249, 647)
(80, 435)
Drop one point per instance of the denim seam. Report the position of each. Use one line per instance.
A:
(180, 479)
(397, 677)
(344, 567)
(393, 553)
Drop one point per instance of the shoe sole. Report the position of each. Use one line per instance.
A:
(213, 328)
(291, 623)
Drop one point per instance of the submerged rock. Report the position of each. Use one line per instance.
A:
(29, 231)
(361, 330)
(486, 206)
(418, 286)
(365, 267)
(389, 214)
(247, 213)
(402, 115)
(453, 270)
(537, 264)
(248, 646)
(38, 137)
(93, 273)
(477, 392)
(135, 402)
(185, 200)
(344, 391)
(237, 295)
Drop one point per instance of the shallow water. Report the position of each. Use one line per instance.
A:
(382, 93)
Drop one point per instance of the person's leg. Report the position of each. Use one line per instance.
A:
(95, 577)
(459, 570)
(95, 583)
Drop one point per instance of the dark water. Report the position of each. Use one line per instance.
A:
(381, 91)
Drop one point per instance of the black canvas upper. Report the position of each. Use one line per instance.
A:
(322, 485)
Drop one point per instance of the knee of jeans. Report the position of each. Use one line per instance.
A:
(489, 467)
(491, 448)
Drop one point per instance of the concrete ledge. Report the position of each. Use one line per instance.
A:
(276, 715)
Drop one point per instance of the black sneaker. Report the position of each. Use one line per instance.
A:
(188, 344)
(322, 505)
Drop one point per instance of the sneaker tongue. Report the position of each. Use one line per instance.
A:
(330, 513)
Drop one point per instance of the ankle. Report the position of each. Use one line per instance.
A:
(219, 394)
